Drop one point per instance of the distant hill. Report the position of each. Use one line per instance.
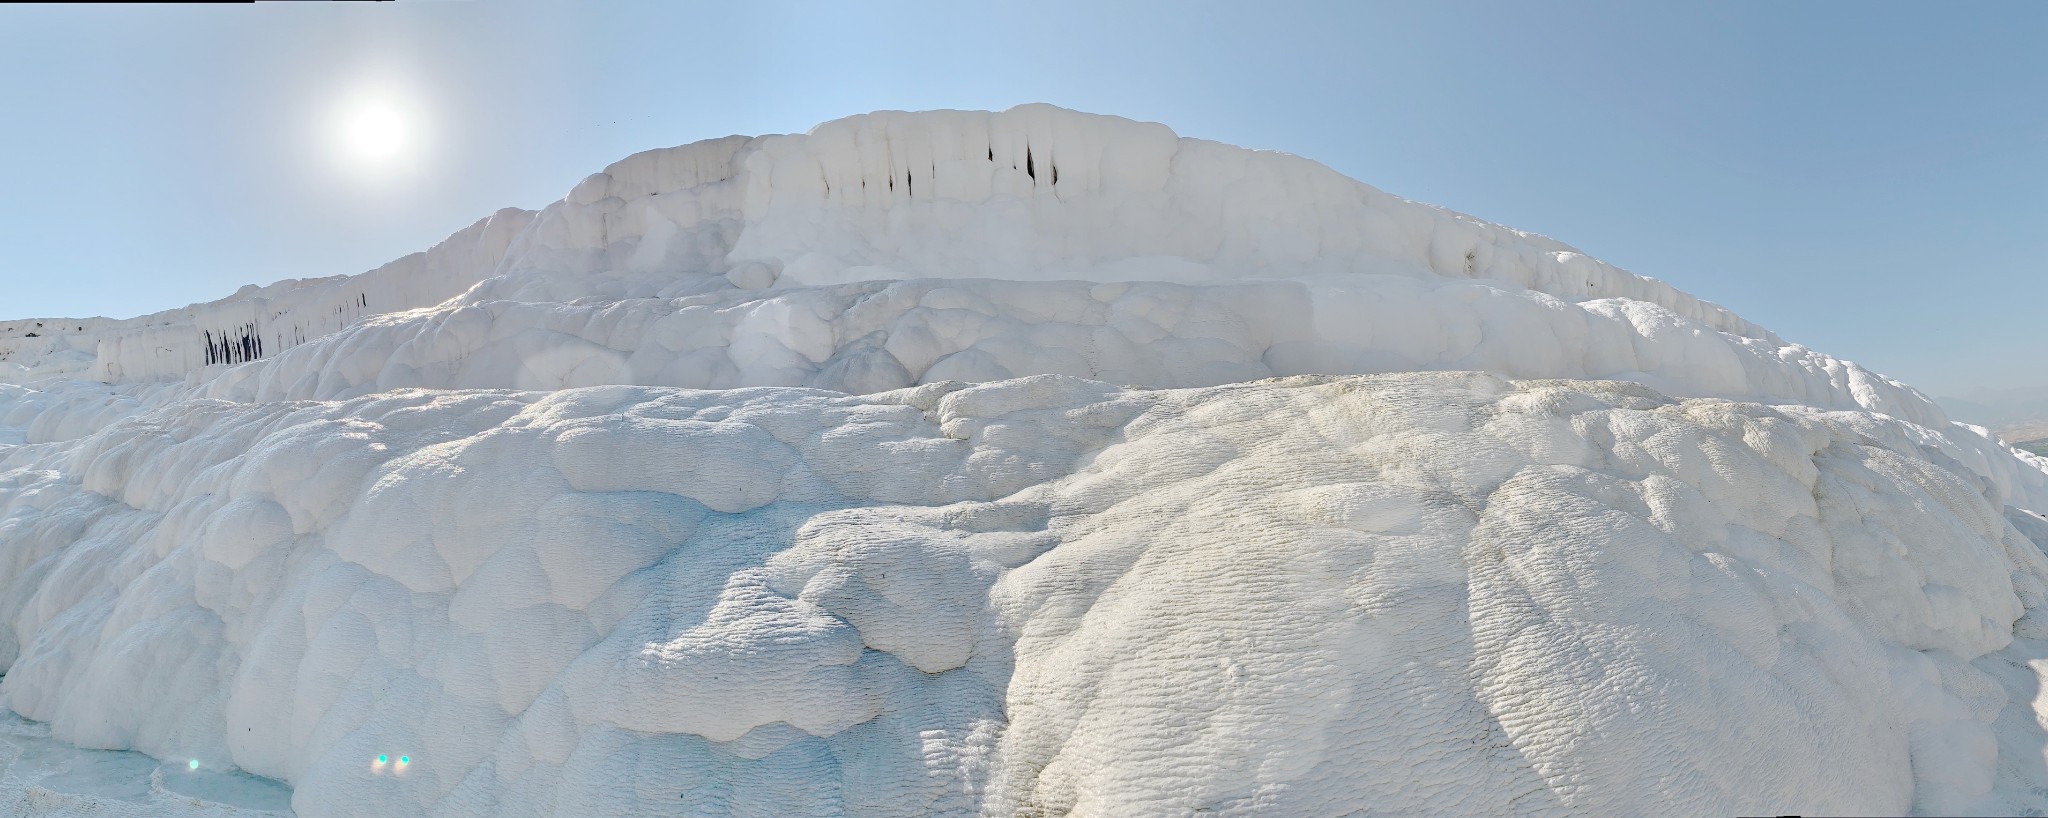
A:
(2004, 409)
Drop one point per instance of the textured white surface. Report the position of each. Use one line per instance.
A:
(1441, 592)
(982, 498)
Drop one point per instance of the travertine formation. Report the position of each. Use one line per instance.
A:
(1027, 463)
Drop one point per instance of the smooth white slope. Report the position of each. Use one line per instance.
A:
(1428, 593)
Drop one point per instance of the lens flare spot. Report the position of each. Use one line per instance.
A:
(192, 765)
(404, 760)
(381, 758)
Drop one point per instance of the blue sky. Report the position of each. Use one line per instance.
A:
(1867, 178)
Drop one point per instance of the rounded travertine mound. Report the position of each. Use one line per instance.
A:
(1430, 593)
(1000, 509)
(1035, 241)
(1034, 193)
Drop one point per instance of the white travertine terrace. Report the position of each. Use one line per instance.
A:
(764, 262)
(1019, 463)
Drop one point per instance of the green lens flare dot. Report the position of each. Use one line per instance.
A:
(381, 758)
(405, 759)
(192, 765)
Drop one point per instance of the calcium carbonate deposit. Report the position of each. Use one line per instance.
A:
(1024, 463)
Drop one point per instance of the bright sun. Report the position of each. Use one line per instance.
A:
(374, 133)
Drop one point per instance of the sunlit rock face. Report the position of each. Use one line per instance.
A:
(1020, 463)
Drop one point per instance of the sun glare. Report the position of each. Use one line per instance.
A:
(374, 133)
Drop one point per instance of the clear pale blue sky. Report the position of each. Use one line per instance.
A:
(1868, 178)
